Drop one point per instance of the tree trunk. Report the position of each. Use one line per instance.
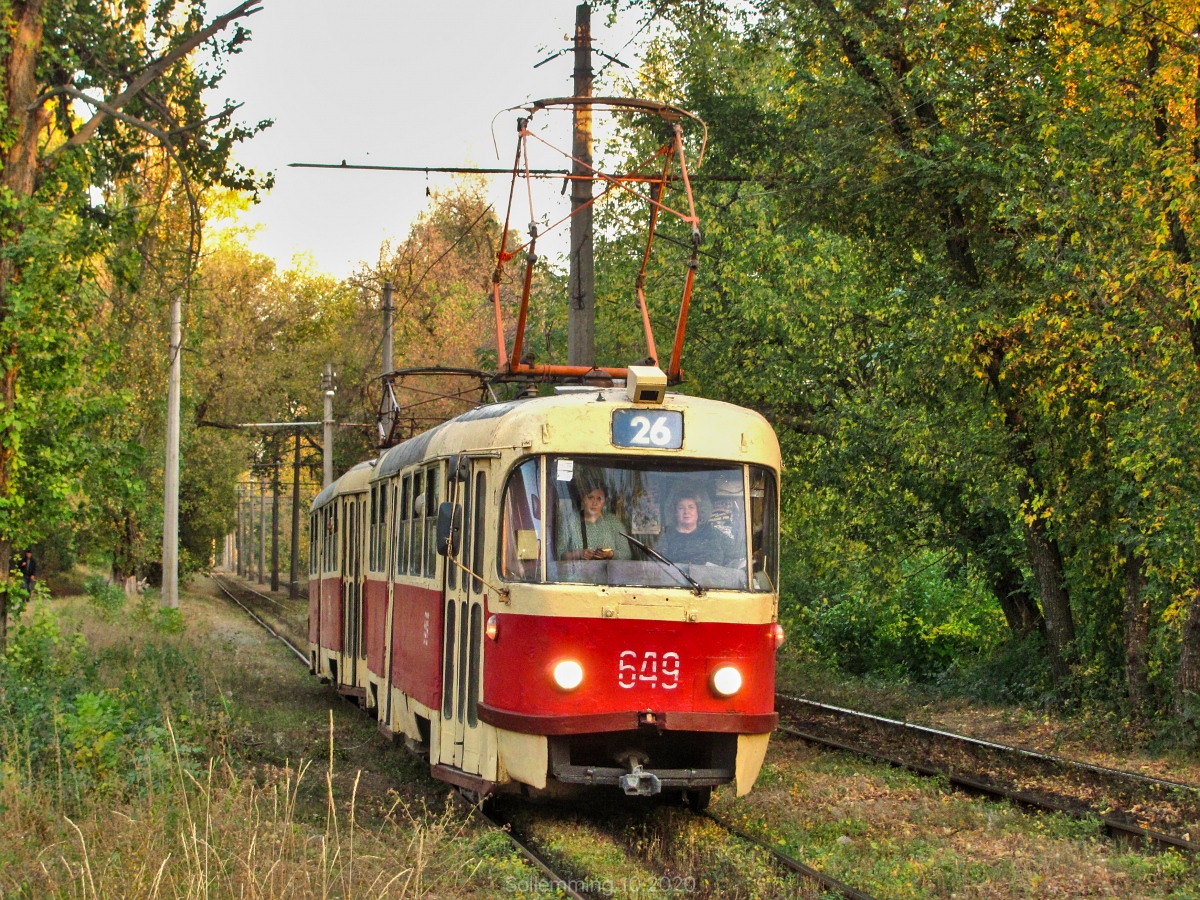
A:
(5, 586)
(1137, 633)
(1187, 678)
(1021, 611)
(19, 176)
(1048, 570)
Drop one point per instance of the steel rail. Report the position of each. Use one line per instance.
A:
(1113, 826)
(523, 847)
(792, 863)
(276, 603)
(275, 634)
(991, 745)
(527, 850)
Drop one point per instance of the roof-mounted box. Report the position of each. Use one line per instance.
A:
(646, 384)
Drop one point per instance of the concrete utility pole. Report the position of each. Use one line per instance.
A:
(327, 452)
(237, 536)
(170, 545)
(294, 586)
(248, 539)
(275, 527)
(262, 529)
(251, 556)
(581, 318)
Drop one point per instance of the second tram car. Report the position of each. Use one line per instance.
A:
(578, 589)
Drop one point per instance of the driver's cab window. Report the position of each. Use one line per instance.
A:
(522, 548)
(649, 522)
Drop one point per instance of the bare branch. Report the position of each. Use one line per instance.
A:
(229, 110)
(156, 68)
(106, 109)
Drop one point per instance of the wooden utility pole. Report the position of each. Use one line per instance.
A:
(385, 382)
(327, 451)
(275, 527)
(294, 585)
(581, 318)
(170, 544)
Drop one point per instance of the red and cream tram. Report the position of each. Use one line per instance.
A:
(570, 590)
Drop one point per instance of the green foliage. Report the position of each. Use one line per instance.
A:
(919, 628)
(98, 720)
(959, 281)
(107, 597)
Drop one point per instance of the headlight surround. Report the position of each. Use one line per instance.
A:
(568, 674)
(726, 681)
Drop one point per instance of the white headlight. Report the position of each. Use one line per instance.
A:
(568, 674)
(727, 681)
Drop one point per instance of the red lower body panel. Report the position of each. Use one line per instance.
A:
(417, 644)
(375, 625)
(630, 667)
(331, 613)
(314, 611)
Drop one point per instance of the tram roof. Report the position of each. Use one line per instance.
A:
(579, 423)
(570, 424)
(353, 481)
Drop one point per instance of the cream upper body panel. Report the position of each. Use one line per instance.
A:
(580, 423)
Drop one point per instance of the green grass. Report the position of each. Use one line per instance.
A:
(184, 756)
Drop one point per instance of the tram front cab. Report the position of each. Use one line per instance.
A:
(634, 644)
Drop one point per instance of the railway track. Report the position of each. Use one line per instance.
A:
(524, 845)
(1120, 824)
(791, 864)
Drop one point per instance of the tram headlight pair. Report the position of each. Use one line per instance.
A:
(568, 674)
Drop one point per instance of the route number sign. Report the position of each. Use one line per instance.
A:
(648, 429)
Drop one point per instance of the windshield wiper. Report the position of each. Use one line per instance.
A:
(696, 589)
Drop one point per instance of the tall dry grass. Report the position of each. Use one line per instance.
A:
(224, 834)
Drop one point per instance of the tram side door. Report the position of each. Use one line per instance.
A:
(462, 655)
(352, 592)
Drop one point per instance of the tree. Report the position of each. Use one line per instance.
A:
(960, 281)
(139, 57)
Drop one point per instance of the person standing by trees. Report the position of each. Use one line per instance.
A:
(29, 569)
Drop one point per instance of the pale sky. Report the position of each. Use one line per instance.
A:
(393, 83)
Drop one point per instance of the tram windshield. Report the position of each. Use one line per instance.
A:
(640, 522)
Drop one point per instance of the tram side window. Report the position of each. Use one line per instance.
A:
(764, 530)
(381, 538)
(322, 543)
(432, 483)
(479, 534)
(467, 495)
(373, 528)
(330, 537)
(416, 545)
(395, 514)
(522, 547)
(323, 524)
(333, 533)
(312, 544)
(402, 531)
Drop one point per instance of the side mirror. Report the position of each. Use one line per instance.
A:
(449, 529)
(460, 468)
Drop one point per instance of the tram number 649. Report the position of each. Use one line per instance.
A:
(649, 667)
